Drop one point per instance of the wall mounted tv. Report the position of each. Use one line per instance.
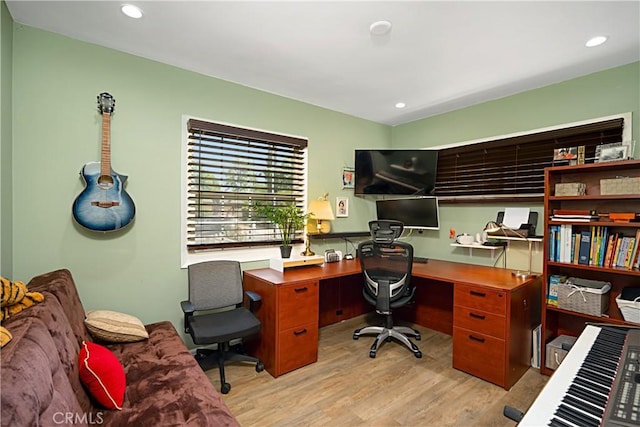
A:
(421, 213)
(400, 172)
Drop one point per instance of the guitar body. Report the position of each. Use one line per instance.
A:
(103, 205)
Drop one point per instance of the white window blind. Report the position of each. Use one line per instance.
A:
(228, 169)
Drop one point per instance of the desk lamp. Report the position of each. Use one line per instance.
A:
(319, 210)
(494, 227)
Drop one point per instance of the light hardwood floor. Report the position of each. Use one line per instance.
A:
(347, 388)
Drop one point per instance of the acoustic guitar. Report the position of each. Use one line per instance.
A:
(103, 205)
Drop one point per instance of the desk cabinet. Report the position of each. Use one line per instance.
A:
(489, 311)
(492, 331)
(289, 324)
(341, 298)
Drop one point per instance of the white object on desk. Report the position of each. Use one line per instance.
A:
(281, 263)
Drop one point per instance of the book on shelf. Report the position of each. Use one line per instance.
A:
(575, 219)
(585, 248)
(536, 337)
(611, 243)
(573, 212)
(552, 292)
(574, 215)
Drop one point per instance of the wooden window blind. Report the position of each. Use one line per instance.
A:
(513, 168)
(228, 169)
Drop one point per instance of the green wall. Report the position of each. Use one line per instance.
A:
(596, 95)
(56, 129)
(6, 217)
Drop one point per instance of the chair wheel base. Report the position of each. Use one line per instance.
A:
(259, 367)
(226, 387)
(418, 354)
(372, 354)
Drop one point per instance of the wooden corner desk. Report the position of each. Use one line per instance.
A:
(489, 312)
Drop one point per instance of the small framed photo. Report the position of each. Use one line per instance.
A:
(565, 155)
(342, 207)
(348, 176)
(613, 154)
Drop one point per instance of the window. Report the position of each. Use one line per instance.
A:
(513, 167)
(229, 168)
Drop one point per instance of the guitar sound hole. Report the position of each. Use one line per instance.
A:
(105, 182)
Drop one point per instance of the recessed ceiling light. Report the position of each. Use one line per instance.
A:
(380, 28)
(400, 105)
(596, 41)
(131, 11)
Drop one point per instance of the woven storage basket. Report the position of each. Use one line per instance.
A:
(629, 304)
(584, 296)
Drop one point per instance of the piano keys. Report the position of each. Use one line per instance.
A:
(583, 392)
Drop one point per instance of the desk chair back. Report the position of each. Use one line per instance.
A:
(387, 273)
(215, 284)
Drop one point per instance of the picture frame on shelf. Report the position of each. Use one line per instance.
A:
(565, 155)
(612, 152)
(342, 207)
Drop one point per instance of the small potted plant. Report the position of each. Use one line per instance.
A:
(288, 218)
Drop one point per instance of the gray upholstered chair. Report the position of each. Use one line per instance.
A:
(217, 285)
(386, 266)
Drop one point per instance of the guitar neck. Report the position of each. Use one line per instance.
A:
(105, 160)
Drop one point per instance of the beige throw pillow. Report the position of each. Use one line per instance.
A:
(112, 326)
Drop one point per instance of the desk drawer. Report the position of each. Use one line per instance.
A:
(479, 321)
(298, 347)
(297, 304)
(480, 355)
(482, 298)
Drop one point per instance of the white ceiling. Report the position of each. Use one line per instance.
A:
(438, 57)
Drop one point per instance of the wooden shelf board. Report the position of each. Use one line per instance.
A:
(618, 270)
(596, 197)
(594, 319)
(598, 223)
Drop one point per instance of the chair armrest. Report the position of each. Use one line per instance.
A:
(253, 296)
(254, 299)
(188, 309)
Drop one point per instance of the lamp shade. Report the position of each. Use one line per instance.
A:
(321, 210)
(492, 227)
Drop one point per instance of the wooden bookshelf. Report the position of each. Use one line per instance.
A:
(557, 321)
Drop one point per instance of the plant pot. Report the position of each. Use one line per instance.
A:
(285, 251)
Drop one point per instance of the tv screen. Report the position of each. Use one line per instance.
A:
(420, 213)
(401, 172)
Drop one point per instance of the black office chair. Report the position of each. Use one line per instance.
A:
(217, 285)
(386, 266)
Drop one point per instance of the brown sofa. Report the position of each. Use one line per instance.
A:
(40, 380)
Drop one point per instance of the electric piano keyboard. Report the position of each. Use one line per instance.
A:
(597, 384)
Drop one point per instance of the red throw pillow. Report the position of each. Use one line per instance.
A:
(102, 374)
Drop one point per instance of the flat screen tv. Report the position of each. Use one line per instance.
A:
(421, 213)
(399, 172)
